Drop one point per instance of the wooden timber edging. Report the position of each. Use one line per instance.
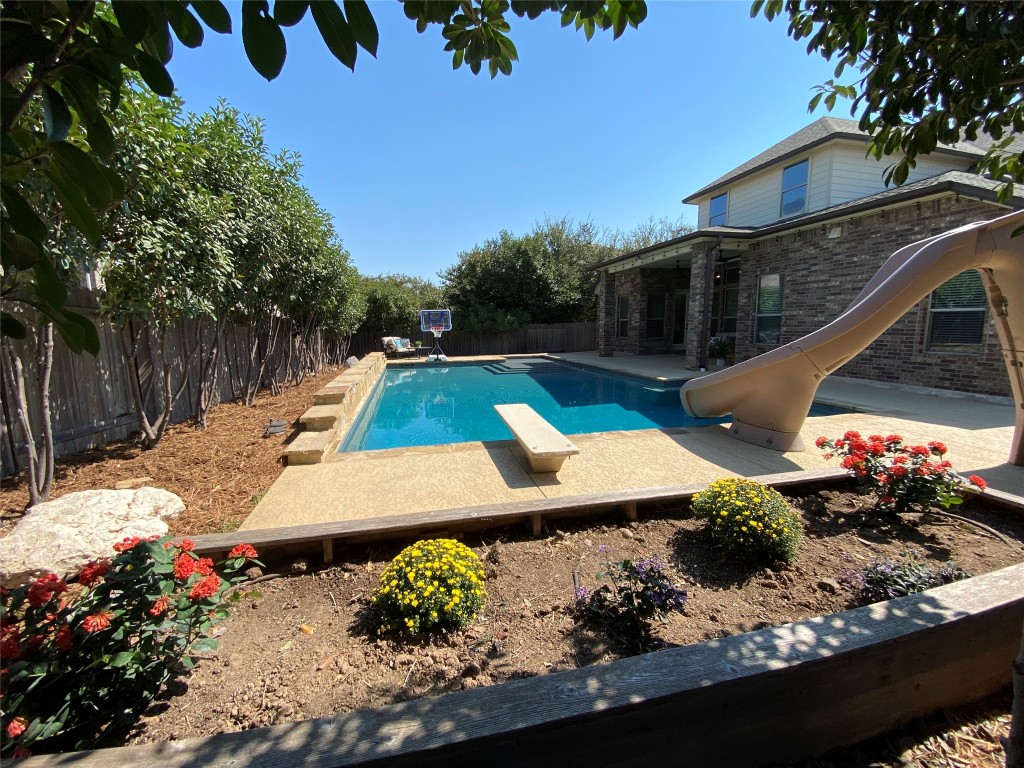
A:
(305, 539)
(777, 695)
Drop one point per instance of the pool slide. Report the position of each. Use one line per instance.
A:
(771, 394)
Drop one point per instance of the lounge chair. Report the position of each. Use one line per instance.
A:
(393, 345)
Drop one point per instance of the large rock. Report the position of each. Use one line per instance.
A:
(61, 536)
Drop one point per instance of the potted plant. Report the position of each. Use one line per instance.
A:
(718, 348)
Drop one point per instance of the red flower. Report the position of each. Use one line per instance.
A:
(97, 621)
(936, 447)
(16, 727)
(127, 543)
(93, 572)
(246, 550)
(898, 470)
(160, 606)
(876, 448)
(10, 643)
(186, 545)
(876, 439)
(858, 445)
(919, 450)
(893, 439)
(882, 478)
(184, 566)
(44, 588)
(205, 587)
(204, 566)
(887, 500)
(63, 638)
(821, 441)
(978, 482)
(901, 459)
(851, 435)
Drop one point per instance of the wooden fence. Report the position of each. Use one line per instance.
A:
(556, 337)
(91, 403)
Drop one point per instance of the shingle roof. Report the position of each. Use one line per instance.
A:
(821, 130)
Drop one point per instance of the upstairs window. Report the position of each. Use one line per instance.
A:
(794, 189)
(956, 316)
(655, 315)
(768, 327)
(623, 317)
(718, 210)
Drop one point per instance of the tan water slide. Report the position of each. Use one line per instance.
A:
(771, 394)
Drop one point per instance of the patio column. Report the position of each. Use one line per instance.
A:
(696, 318)
(605, 313)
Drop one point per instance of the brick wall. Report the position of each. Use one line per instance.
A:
(823, 275)
(637, 285)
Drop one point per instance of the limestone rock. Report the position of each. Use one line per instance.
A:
(61, 536)
(135, 482)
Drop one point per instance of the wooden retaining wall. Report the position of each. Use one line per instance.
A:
(774, 696)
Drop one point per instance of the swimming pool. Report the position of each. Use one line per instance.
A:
(436, 405)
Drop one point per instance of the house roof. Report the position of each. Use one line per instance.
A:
(959, 182)
(819, 132)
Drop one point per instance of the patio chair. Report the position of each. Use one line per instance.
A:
(393, 345)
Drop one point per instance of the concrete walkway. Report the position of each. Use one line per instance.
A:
(350, 486)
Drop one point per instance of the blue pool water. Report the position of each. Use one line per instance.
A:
(435, 405)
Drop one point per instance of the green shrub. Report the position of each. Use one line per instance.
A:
(434, 584)
(79, 658)
(749, 520)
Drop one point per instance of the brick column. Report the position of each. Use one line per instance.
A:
(695, 341)
(605, 313)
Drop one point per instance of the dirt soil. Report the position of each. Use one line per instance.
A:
(298, 645)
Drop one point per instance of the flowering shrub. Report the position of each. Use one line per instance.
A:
(639, 591)
(903, 478)
(749, 520)
(80, 657)
(887, 579)
(434, 584)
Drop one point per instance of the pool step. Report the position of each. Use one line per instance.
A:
(521, 368)
(309, 447)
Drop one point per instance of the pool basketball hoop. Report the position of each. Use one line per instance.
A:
(436, 321)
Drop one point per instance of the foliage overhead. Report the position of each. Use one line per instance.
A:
(930, 73)
(64, 63)
(393, 303)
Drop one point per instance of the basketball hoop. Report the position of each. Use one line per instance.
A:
(436, 321)
(437, 330)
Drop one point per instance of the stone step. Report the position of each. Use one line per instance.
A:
(320, 418)
(332, 394)
(309, 447)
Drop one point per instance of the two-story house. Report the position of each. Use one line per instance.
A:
(785, 241)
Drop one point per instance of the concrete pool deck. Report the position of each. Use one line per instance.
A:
(372, 484)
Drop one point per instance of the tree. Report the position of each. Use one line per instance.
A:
(646, 233)
(543, 277)
(930, 73)
(393, 303)
(63, 64)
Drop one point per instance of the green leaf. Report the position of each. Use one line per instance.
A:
(74, 205)
(119, 659)
(9, 146)
(82, 170)
(22, 217)
(133, 18)
(335, 31)
(48, 285)
(71, 333)
(363, 26)
(90, 336)
(288, 13)
(214, 15)
(263, 39)
(185, 26)
(56, 115)
(19, 251)
(154, 73)
(204, 645)
(11, 327)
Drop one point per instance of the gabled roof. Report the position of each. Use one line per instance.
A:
(959, 182)
(819, 132)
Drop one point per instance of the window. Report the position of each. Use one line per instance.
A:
(655, 315)
(718, 210)
(768, 325)
(725, 299)
(623, 316)
(794, 189)
(956, 317)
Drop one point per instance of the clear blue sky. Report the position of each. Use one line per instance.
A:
(417, 162)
